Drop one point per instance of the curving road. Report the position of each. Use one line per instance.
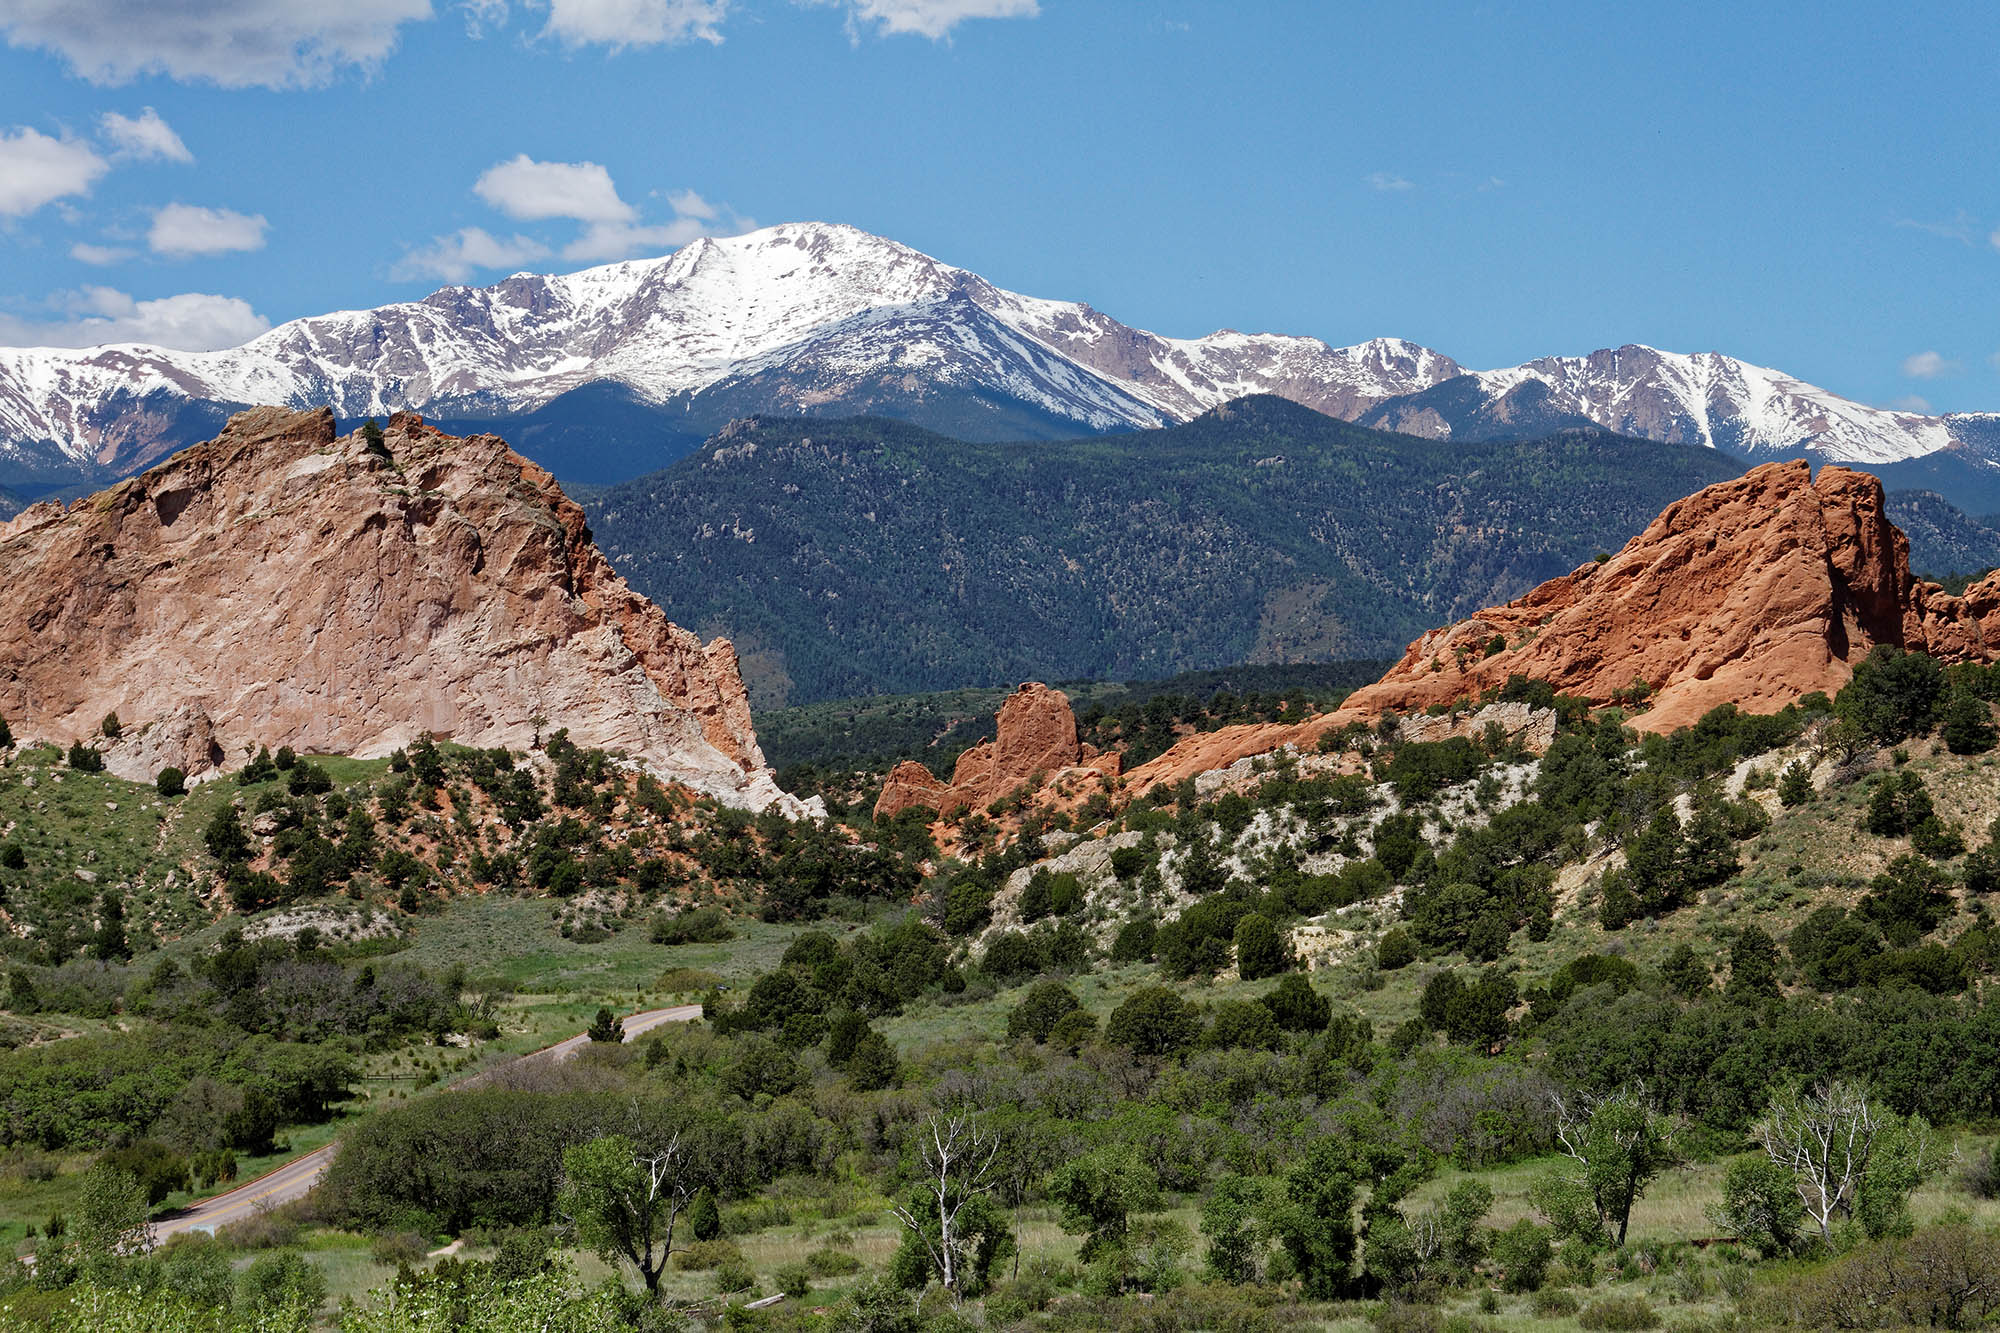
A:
(297, 1177)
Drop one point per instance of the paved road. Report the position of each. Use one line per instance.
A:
(296, 1177)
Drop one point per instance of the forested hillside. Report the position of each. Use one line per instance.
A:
(864, 557)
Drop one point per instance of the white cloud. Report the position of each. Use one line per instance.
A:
(191, 321)
(37, 170)
(534, 191)
(584, 192)
(1912, 402)
(232, 43)
(482, 14)
(1389, 181)
(691, 205)
(143, 136)
(621, 23)
(1928, 366)
(604, 241)
(931, 18)
(85, 252)
(181, 231)
(456, 257)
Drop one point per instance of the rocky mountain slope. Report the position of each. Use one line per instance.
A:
(281, 585)
(867, 557)
(826, 320)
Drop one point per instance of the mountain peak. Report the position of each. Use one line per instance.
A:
(825, 318)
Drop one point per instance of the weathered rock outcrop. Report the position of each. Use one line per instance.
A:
(909, 785)
(1034, 740)
(293, 588)
(1753, 592)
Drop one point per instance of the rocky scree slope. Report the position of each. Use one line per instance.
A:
(280, 585)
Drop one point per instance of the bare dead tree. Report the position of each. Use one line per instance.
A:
(1826, 1136)
(957, 1157)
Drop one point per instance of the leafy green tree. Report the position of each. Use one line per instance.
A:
(874, 1065)
(1619, 1145)
(158, 1169)
(1260, 950)
(1232, 1217)
(1968, 724)
(1315, 1219)
(84, 759)
(1396, 950)
(1097, 1194)
(109, 1224)
(170, 783)
(1898, 804)
(1296, 1007)
(623, 1200)
(1155, 1023)
(1242, 1025)
(1761, 1204)
(1685, 972)
(1523, 1253)
(225, 837)
(1753, 966)
(704, 1217)
(1708, 854)
(111, 728)
(283, 1287)
(1892, 696)
(1202, 873)
(606, 1027)
(1045, 1004)
(1655, 863)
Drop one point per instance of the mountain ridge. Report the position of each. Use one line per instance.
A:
(825, 319)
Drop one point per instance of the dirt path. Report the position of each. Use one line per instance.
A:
(296, 1178)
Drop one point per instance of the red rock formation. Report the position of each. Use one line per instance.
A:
(1753, 592)
(909, 785)
(294, 588)
(1034, 740)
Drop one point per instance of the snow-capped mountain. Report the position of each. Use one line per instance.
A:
(802, 317)
(1707, 399)
(825, 319)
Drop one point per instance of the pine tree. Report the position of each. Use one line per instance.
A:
(1795, 785)
(1968, 724)
(1708, 856)
(1753, 966)
(606, 1027)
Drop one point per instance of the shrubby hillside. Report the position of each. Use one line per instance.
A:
(1406, 1032)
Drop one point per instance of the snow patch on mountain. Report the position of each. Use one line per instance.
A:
(822, 317)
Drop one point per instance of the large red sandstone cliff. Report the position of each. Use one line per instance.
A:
(1754, 591)
(281, 586)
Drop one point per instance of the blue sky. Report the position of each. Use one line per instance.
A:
(1807, 187)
